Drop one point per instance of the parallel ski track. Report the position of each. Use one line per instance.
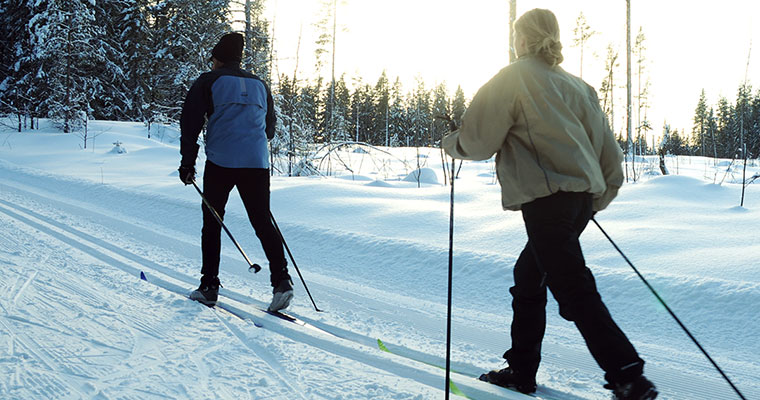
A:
(402, 361)
(240, 306)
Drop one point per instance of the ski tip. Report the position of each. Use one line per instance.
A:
(142, 276)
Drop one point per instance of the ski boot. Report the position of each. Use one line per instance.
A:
(208, 292)
(510, 379)
(639, 389)
(282, 294)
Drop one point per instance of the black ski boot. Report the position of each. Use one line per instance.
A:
(283, 293)
(639, 389)
(510, 379)
(207, 292)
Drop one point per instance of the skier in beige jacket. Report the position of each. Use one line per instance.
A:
(558, 163)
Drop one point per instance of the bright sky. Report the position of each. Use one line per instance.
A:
(690, 46)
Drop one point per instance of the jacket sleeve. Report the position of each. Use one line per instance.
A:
(610, 159)
(485, 124)
(191, 122)
(271, 118)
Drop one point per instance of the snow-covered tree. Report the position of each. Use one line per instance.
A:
(184, 32)
(382, 99)
(441, 106)
(699, 129)
(127, 39)
(398, 124)
(17, 68)
(68, 47)
(458, 106)
(420, 114)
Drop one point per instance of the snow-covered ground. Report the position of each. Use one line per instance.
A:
(78, 225)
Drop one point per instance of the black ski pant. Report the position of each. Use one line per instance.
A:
(553, 258)
(253, 186)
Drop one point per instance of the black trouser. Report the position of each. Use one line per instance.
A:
(253, 187)
(553, 258)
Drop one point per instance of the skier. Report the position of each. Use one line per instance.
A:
(558, 163)
(241, 118)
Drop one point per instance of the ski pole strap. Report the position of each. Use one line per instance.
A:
(672, 314)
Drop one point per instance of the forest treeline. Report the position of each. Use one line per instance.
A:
(133, 60)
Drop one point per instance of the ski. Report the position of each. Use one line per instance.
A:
(430, 360)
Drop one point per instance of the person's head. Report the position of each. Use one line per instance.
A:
(229, 50)
(537, 33)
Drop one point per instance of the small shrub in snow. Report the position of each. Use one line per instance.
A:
(118, 148)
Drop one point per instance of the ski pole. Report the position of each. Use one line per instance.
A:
(251, 266)
(452, 127)
(672, 314)
(282, 238)
(451, 270)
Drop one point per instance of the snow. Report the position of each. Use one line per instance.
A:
(79, 224)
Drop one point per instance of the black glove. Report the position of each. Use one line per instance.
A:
(187, 174)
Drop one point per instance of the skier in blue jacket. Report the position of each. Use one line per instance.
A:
(238, 111)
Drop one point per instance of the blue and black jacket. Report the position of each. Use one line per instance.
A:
(241, 119)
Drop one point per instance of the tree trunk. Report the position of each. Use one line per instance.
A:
(663, 167)
(628, 70)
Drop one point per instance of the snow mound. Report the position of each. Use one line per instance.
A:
(424, 175)
(379, 183)
(356, 178)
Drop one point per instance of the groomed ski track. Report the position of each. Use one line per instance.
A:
(118, 244)
(241, 307)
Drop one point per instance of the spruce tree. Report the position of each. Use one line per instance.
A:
(458, 106)
(65, 38)
(184, 32)
(16, 67)
(699, 129)
(398, 127)
(441, 106)
(381, 120)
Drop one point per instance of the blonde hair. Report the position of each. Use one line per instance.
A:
(540, 29)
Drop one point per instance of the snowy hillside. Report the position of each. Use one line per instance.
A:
(77, 226)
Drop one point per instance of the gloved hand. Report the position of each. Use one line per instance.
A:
(186, 174)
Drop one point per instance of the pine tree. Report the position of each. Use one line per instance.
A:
(362, 112)
(441, 106)
(607, 89)
(583, 33)
(128, 36)
(725, 134)
(380, 125)
(335, 117)
(398, 128)
(184, 32)
(16, 67)
(257, 49)
(69, 53)
(742, 115)
(753, 128)
(309, 105)
(643, 92)
(458, 106)
(699, 129)
(420, 117)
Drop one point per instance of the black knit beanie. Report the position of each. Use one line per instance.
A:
(229, 49)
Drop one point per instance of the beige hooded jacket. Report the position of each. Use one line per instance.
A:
(548, 132)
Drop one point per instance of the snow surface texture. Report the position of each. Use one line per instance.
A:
(78, 225)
